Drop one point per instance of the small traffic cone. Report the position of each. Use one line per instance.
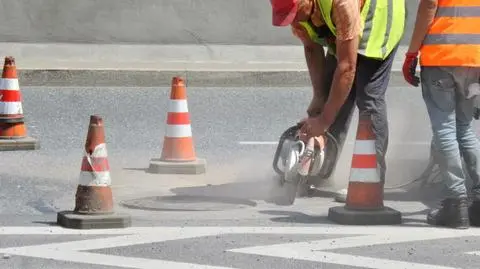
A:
(94, 199)
(178, 153)
(13, 132)
(364, 203)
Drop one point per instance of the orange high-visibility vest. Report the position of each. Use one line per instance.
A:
(454, 36)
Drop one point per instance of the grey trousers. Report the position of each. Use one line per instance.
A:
(368, 93)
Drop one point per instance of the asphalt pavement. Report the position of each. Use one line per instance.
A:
(235, 130)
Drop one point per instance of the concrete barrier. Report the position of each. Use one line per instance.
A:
(150, 36)
(141, 22)
(159, 22)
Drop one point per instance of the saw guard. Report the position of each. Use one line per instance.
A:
(322, 165)
(291, 160)
(318, 161)
(289, 136)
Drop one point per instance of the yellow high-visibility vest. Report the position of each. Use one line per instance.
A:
(383, 23)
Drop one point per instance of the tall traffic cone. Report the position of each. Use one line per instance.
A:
(94, 199)
(178, 153)
(13, 132)
(364, 204)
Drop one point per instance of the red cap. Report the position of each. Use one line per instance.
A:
(283, 11)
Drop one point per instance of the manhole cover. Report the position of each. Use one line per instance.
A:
(187, 203)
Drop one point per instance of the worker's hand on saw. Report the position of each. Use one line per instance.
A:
(319, 140)
(313, 126)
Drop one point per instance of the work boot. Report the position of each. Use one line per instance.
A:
(453, 213)
(474, 213)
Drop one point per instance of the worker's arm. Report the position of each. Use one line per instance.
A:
(425, 15)
(315, 58)
(347, 20)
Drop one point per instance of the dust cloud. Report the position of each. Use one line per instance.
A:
(249, 177)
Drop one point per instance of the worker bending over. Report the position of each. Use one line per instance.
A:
(362, 37)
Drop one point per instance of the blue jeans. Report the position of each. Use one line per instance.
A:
(444, 90)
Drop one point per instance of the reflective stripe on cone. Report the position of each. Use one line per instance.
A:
(178, 143)
(11, 110)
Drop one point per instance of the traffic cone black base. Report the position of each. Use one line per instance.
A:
(383, 216)
(73, 220)
(157, 166)
(26, 143)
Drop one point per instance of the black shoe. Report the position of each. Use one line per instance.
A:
(474, 213)
(453, 213)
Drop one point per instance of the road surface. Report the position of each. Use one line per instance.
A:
(235, 129)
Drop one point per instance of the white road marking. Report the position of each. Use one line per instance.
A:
(72, 251)
(113, 260)
(258, 142)
(313, 250)
(32, 230)
(406, 143)
(361, 261)
(325, 229)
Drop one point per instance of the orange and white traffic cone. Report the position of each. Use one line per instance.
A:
(13, 131)
(364, 204)
(178, 152)
(94, 199)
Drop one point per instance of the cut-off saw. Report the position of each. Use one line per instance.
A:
(302, 165)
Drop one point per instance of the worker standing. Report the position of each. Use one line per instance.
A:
(447, 36)
(362, 37)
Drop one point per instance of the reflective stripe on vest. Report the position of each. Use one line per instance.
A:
(383, 23)
(454, 36)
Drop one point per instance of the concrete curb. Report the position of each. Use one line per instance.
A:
(127, 78)
(105, 65)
